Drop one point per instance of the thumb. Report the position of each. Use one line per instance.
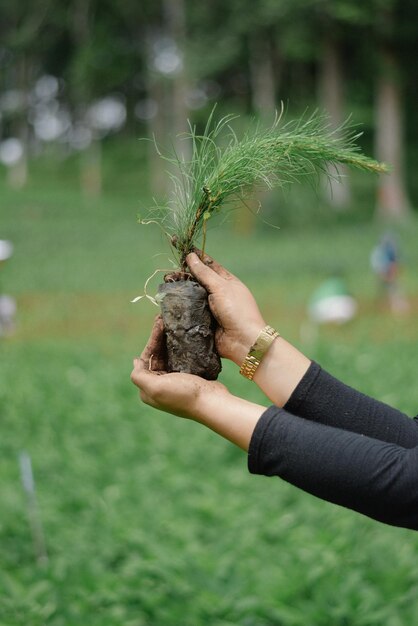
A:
(155, 345)
(204, 274)
(214, 265)
(139, 371)
(141, 376)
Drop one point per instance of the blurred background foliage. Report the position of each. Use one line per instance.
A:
(77, 73)
(149, 520)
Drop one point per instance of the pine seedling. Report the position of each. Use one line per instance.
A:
(224, 169)
(221, 171)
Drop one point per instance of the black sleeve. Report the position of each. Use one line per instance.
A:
(371, 477)
(320, 397)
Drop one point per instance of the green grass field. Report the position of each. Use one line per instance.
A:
(154, 521)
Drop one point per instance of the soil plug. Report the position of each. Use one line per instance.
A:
(189, 327)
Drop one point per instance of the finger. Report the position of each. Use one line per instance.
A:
(156, 343)
(204, 274)
(140, 372)
(142, 377)
(214, 265)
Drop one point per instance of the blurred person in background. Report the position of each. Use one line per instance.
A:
(319, 434)
(385, 262)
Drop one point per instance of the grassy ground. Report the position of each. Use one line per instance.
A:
(150, 520)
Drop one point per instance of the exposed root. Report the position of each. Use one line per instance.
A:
(145, 294)
(173, 277)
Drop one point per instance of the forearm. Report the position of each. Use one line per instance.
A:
(369, 476)
(231, 417)
(320, 397)
(290, 380)
(280, 371)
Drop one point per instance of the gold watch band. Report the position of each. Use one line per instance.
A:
(257, 351)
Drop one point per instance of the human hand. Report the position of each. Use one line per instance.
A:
(233, 306)
(184, 395)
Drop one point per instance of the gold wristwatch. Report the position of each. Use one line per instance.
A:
(257, 351)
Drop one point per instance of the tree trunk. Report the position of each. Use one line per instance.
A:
(157, 122)
(91, 170)
(392, 198)
(175, 26)
(156, 130)
(18, 173)
(169, 92)
(331, 96)
(91, 160)
(263, 73)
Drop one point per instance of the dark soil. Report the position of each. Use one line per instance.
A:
(190, 329)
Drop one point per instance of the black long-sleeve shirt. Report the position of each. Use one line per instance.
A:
(342, 446)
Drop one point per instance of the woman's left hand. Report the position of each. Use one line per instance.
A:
(184, 395)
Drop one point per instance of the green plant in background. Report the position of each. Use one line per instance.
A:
(166, 515)
(223, 169)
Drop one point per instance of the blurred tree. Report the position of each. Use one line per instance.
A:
(383, 23)
(101, 62)
(22, 26)
(81, 84)
(159, 32)
(264, 71)
(333, 19)
(244, 37)
(174, 27)
(391, 25)
(334, 26)
(172, 59)
(237, 45)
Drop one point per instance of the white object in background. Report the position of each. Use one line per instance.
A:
(331, 303)
(6, 249)
(334, 309)
(108, 114)
(28, 483)
(11, 151)
(7, 315)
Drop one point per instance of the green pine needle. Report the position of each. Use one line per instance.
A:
(273, 157)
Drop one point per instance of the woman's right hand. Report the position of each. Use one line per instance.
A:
(205, 401)
(233, 306)
(184, 395)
